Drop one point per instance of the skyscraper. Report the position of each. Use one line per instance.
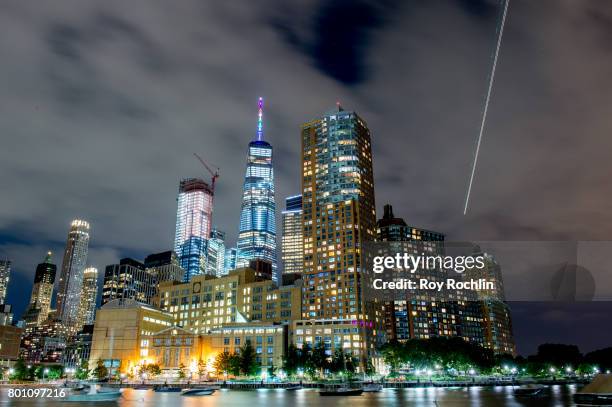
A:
(193, 225)
(497, 320)
(292, 239)
(164, 266)
(42, 292)
(257, 233)
(71, 276)
(215, 253)
(5, 273)
(416, 316)
(89, 296)
(338, 217)
(231, 254)
(129, 280)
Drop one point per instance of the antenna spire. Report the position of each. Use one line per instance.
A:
(260, 120)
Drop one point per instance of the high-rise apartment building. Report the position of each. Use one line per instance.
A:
(129, 279)
(89, 296)
(5, 274)
(257, 233)
(416, 316)
(165, 266)
(71, 275)
(338, 217)
(497, 321)
(193, 225)
(292, 239)
(42, 293)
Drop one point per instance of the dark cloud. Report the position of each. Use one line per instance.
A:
(103, 106)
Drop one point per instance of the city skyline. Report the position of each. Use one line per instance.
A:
(112, 146)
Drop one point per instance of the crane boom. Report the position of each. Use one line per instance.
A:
(214, 174)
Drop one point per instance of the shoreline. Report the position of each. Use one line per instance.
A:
(256, 385)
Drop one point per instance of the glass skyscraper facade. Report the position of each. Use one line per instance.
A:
(257, 233)
(231, 254)
(42, 292)
(215, 253)
(71, 276)
(193, 225)
(129, 279)
(5, 273)
(292, 239)
(89, 295)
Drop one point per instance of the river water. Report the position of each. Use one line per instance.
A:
(559, 395)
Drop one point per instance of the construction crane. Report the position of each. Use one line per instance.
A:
(215, 174)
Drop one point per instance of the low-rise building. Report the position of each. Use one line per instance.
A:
(270, 341)
(122, 333)
(207, 302)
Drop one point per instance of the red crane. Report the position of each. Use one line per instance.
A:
(215, 174)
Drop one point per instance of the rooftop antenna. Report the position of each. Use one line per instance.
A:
(260, 120)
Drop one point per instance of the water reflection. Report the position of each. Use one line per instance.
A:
(434, 396)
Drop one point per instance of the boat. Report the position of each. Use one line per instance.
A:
(198, 392)
(294, 388)
(167, 389)
(596, 393)
(141, 387)
(341, 391)
(94, 395)
(372, 388)
(530, 390)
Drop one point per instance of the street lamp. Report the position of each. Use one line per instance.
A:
(45, 372)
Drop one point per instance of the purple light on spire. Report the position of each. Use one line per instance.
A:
(260, 120)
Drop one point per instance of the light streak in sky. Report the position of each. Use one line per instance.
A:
(486, 107)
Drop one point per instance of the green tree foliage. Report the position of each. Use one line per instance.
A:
(292, 360)
(222, 363)
(234, 364)
(21, 371)
(100, 371)
(248, 360)
(82, 371)
(449, 353)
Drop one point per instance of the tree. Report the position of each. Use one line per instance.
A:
(393, 355)
(201, 369)
(20, 371)
(222, 363)
(181, 372)
(153, 370)
(369, 368)
(248, 360)
(234, 364)
(318, 358)
(100, 371)
(82, 371)
(55, 372)
(338, 361)
(291, 361)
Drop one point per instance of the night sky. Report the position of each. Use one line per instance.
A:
(102, 105)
